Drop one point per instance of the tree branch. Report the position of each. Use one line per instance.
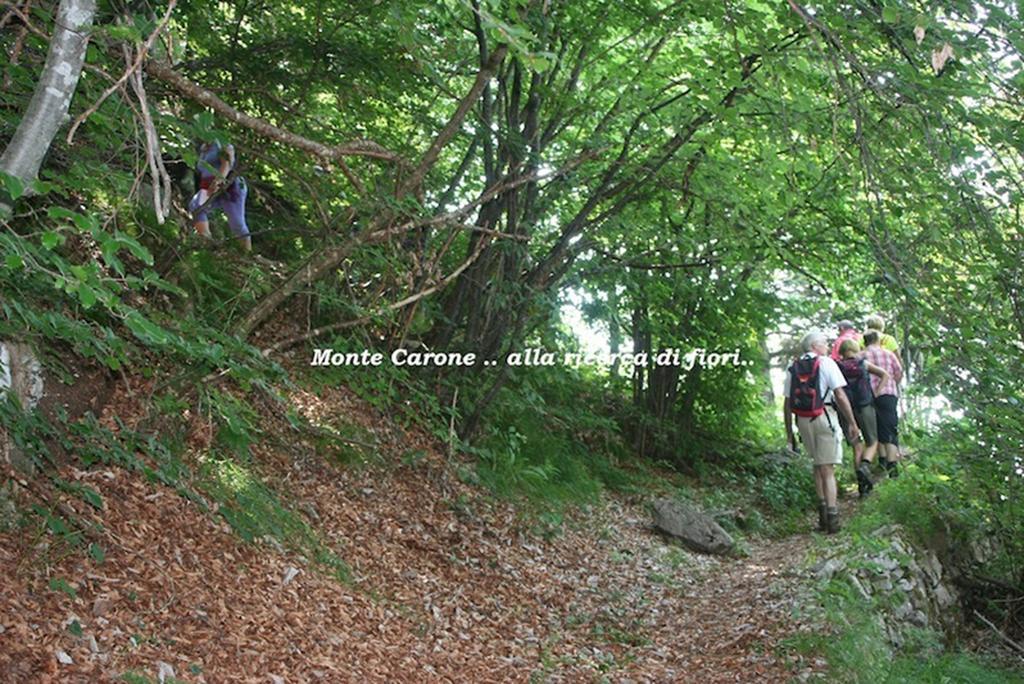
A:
(132, 69)
(395, 306)
(329, 153)
(415, 180)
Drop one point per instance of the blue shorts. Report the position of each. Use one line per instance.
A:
(231, 202)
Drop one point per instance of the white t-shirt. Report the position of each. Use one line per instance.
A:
(829, 377)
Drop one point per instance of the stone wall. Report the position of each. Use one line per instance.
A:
(909, 584)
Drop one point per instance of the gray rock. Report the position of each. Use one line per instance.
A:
(8, 509)
(943, 597)
(828, 568)
(882, 583)
(859, 586)
(692, 527)
(904, 611)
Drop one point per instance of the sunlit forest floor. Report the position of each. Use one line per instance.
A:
(441, 582)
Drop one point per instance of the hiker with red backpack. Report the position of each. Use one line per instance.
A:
(858, 371)
(811, 395)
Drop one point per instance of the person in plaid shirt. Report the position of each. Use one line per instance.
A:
(886, 398)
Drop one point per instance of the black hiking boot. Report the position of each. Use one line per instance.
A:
(864, 483)
(892, 468)
(832, 520)
(822, 517)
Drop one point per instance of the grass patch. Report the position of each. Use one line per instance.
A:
(255, 512)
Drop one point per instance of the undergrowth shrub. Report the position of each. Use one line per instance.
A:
(547, 439)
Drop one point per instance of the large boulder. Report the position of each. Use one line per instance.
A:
(695, 529)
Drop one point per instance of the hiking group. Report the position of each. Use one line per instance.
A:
(852, 389)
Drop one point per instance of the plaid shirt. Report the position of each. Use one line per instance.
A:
(887, 361)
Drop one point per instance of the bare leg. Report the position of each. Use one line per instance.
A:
(828, 477)
(202, 225)
(869, 452)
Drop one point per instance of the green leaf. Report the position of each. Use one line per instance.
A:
(57, 213)
(109, 249)
(137, 250)
(145, 329)
(91, 497)
(57, 525)
(96, 553)
(87, 223)
(60, 584)
(75, 627)
(87, 296)
(128, 33)
(890, 15)
(41, 187)
(51, 239)
(14, 262)
(14, 185)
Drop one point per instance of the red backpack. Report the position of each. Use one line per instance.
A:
(803, 389)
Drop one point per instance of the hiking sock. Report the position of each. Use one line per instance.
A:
(822, 516)
(832, 520)
(892, 467)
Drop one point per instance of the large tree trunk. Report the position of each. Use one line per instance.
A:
(21, 375)
(52, 97)
(19, 371)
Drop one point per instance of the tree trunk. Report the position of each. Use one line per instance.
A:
(52, 97)
(22, 376)
(20, 372)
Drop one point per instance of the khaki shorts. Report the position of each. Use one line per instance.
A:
(867, 423)
(823, 441)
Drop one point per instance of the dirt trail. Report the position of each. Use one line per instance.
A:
(448, 586)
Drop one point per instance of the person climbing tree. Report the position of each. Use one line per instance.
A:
(857, 371)
(213, 170)
(886, 400)
(810, 393)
